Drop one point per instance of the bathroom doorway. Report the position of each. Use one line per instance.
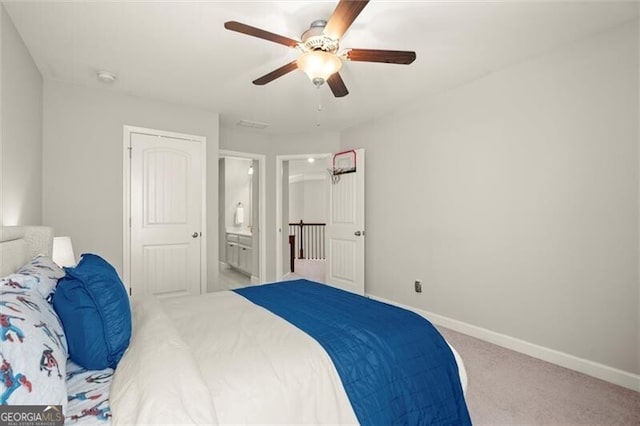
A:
(241, 219)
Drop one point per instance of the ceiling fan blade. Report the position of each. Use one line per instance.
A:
(343, 16)
(257, 32)
(386, 56)
(337, 85)
(279, 72)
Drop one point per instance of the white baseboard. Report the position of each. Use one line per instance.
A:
(591, 368)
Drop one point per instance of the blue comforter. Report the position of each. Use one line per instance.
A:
(394, 365)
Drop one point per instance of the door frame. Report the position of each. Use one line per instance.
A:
(280, 159)
(262, 214)
(126, 198)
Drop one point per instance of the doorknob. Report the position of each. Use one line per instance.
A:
(357, 233)
(194, 235)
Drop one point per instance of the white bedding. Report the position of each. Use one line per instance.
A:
(243, 362)
(258, 367)
(157, 380)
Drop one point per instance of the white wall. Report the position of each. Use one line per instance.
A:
(315, 200)
(21, 143)
(638, 204)
(237, 190)
(308, 200)
(83, 163)
(296, 201)
(515, 199)
(238, 139)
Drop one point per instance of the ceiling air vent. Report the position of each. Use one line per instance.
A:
(252, 124)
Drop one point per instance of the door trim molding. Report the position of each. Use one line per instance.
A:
(280, 159)
(262, 197)
(126, 198)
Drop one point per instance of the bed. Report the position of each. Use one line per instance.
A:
(33, 370)
(294, 352)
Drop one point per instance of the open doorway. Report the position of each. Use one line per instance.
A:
(240, 219)
(302, 215)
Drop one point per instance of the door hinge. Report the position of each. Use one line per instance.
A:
(130, 291)
(130, 149)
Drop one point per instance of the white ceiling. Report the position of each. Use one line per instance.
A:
(179, 52)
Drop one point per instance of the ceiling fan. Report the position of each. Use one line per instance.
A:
(320, 59)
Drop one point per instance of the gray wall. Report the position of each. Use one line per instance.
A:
(285, 219)
(83, 163)
(21, 143)
(238, 139)
(308, 200)
(515, 199)
(222, 255)
(296, 201)
(237, 190)
(315, 200)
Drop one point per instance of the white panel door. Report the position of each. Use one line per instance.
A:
(345, 230)
(166, 213)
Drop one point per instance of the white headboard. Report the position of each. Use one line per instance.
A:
(18, 244)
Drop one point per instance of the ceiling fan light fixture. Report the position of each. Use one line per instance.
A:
(320, 45)
(319, 65)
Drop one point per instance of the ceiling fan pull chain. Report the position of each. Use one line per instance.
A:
(318, 115)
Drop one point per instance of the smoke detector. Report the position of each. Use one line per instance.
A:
(106, 77)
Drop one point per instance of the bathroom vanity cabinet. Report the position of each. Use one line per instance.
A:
(239, 255)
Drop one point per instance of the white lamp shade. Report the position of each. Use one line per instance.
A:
(63, 252)
(319, 64)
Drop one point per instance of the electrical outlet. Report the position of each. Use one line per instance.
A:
(418, 286)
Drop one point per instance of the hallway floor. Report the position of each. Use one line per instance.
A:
(313, 270)
(231, 279)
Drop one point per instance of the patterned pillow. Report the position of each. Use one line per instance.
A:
(33, 348)
(88, 395)
(47, 272)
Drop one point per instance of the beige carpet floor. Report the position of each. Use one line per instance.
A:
(509, 388)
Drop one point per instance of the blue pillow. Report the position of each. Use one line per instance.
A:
(94, 308)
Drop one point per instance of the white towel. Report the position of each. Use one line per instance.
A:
(239, 215)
